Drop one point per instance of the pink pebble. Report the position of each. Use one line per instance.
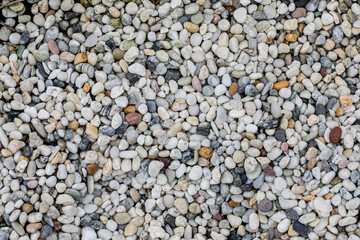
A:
(343, 164)
(53, 47)
(196, 84)
(32, 183)
(156, 27)
(285, 147)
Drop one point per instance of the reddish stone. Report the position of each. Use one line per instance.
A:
(335, 135)
(263, 152)
(165, 160)
(57, 225)
(196, 84)
(196, 196)
(133, 118)
(269, 171)
(218, 217)
(323, 72)
(108, 94)
(53, 47)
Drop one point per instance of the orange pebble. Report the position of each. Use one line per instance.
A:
(281, 84)
(290, 37)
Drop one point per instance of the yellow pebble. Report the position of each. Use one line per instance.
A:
(16, 78)
(86, 87)
(250, 136)
(91, 131)
(73, 125)
(339, 112)
(22, 158)
(308, 197)
(80, 58)
(129, 109)
(191, 27)
(205, 152)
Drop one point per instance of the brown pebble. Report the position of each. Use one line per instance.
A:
(217, 217)
(49, 13)
(108, 94)
(335, 135)
(92, 169)
(323, 72)
(165, 160)
(298, 13)
(269, 171)
(57, 225)
(133, 118)
(26, 207)
(263, 152)
(233, 89)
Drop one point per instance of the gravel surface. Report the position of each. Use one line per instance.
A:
(179, 119)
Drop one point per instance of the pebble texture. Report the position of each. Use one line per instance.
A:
(179, 119)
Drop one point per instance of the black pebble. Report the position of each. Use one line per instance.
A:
(27, 151)
(204, 131)
(76, 27)
(280, 135)
(300, 228)
(157, 46)
(320, 109)
(170, 220)
(110, 43)
(292, 214)
(186, 156)
(84, 143)
(121, 130)
(42, 70)
(25, 37)
(12, 115)
(300, 3)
